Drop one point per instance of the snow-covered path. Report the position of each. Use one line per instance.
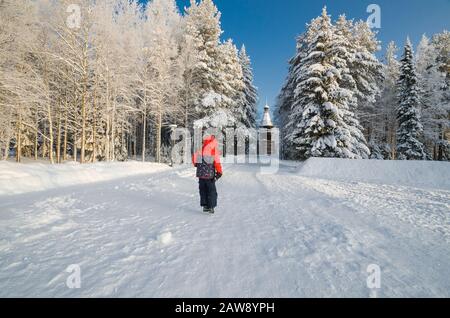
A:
(280, 235)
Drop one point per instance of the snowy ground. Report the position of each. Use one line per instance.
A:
(296, 233)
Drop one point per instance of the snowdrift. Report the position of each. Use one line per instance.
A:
(23, 178)
(421, 174)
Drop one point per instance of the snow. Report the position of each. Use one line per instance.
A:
(211, 99)
(165, 238)
(17, 179)
(219, 119)
(302, 232)
(266, 121)
(423, 174)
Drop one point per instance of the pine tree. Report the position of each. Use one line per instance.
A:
(285, 101)
(250, 93)
(410, 129)
(222, 103)
(218, 73)
(359, 71)
(230, 76)
(322, 117)
(203, 23)
(365, 70)
(189, 61)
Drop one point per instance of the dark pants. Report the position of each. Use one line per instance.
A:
(208, 193)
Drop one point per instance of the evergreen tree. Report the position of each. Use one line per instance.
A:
(322, 117)
(230, 78)
(222, 103)
(190, 58)
(359, 47)
(285, 101)
(410, 129)
(250, 93)
(203, 23)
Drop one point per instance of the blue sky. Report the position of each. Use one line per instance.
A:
(268, 28)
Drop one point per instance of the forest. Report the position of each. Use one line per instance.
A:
(108, 80)
(339, 100)
(104, 80)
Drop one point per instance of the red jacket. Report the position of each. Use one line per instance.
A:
(210, 149)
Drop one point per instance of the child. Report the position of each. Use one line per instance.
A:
(209, 169)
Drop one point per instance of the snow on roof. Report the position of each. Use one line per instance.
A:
(266, 121)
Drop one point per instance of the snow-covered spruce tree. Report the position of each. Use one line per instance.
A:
(409, 132)
(366, 69)
(281, 115)
(217, 73)
(285, 101)
(189, 59)
(203, 22)
(353, 46)
(250, 93)
(222, 104)
(232, 83)
(322, 117)
(360, 45)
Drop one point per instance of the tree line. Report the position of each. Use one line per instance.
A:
(103, 80)
(339, 100)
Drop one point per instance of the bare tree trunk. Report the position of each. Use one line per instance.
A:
(58, 140)
(392, 141)
(158, 135)
(108, 143)
(108, 123)
(65, 137)
(113, 132)
(50, 133)
(44, 143)
(66, 122)
(144, 132)
(49, 114)
(83, 125)
(83, 103)
(36, 139)
(94, 140)
(9, 133)
(19, 140)
(75, 148)
(8, 143)
(94, 125)
(135, 142)
(186, 117)
(440, 155)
